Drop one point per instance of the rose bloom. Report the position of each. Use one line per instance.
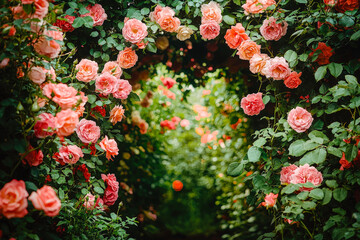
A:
(68, 154)
(176, 120)
(46, 199)
(87, 131)
(209, 29)
(134, 31)
(277, 68)
(97, 13)
(252, 104)
(257, 6)
(168, 82)
(211, 11)
(169, 23)
(184, 33)
(116, 114)
(66, 25)
(325, 53)
(38, 74)
(111, 192)
(4, 63)
(258, 63)
(168, 125)
(64, 95)
(235, 36)
(299, 119)
(41, 9)
(49, 48)
(124, 89)
(330, 3)
(33, 157)
(346, 5)
(248, 49)
(304, 174)
(271, 30)
(184, 123)
(113, 68)
(106, 84)
(110, 146)
(286, 173)
(270, 200)
(293, 80)
(65, 122)
(45, 126)
(89, 201)
(87, 70)
(127, 58)
(177, 185)
(154, 15)
(13, 202)
(143, 125)
(162, 42)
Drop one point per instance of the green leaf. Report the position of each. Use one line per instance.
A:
(335, 69)
(302, 1)
(320, 73)
(260, 142)
(235, 169)
(303, 195)
(151, 47)
(266, 99)
(351, 79)
(351, 152)
(290, 189)
(296, 149)
(229, 20)
(91, 98)
(31, 186)
(318, 137)
(334, 151)
(303, 57)
(99, 190)
(133, 97)
(355, 36)
(317, 194)
(327, 196)
(78, 22)
(94, 34)
(317, 156)
(254, 154)
(340, 194)
(290, 56)
(145, 11)
(308, 205)
(346, 21)
(237, 2)
(331, 183)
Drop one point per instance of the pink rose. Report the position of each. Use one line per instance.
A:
(252, 104)
(299, 119)
(66, 121)
(68, 154)
(111, 192)
(41, 9)
(64, 95)
(330, 3)
(168, 23)
(293, 80)
(257, 6)
(97, 13)
(45, 126)
(89, 201)
(13, 202)
(155, 15)
(271, 30)
(134, 31)
(270, 200)
(209, 29)
(258, 63)
(168, 82)
(4, 63)
(46, 199)
(87, 70)
(235, 36)
(286, 173)
(110, 146)
(248, 49)
(277, 68)
(106, 84)
(304, 174)
(124, 89)
(168, 124)
(176, 120)
(211, 11)
(113, 68)
(117, 114)
(49, 48)
(184, 123)
(33, 157)
(87, 131)
(127, 58)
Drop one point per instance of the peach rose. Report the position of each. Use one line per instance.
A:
(271, 30)
(106, 84)
(258, 63)
(65, 122)
(184, 123)
(127, 58)
(183, 33)
(211, 11)
(123, 90)
(49, 48)
(168, 82)
(113, 68)
(46, 199)
(110, 146)
(209, 29)
(117, 114)
(68, 154)
(87, 70)
(97, 13)
(270, 200)
(45, 126)
(33, 157)
(304, 174)
(134, 31)
(37, 75)
(41, 9)
(248, 49)
(257, 6)
(277, 68)
(87, 131)
(293, 80)
(235, 36)
(13, 202)
(299, 119)
(64, 95)
(252, 104)
(168, 23)
(286, 173)
(154, 15)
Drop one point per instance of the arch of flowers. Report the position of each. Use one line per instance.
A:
(70, 130)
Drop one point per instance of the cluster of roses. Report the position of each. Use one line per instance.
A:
(168, 83)
(14, 200)
(138, 121)
(172, 123)
(201, 112)
(257, 6)
(210, 20)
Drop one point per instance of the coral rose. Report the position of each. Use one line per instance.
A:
(13, 202)
(110, 146)
(270, 200)
(209, 29)
(87, 70)
(183, 33)
(286, 173)
(49, 48)
(211, 11)
(37, 75)
(64, 95)
(235, 36)
(299, 119)
(65, 122)
(154, 15)
(252, 104)
(346, 5)
(168, 82)
(134, 31)
(257, 6)
(168, 23)
(248, 49)
(46, 199)
(258, 63)
(306, 173)
(113, 68)
(106, 84)
(277, 68)
(97, 13)
(66, 25)
(116, 114)
(33, 157)
(68, 154)
(293, 80)
(123, 90)
(87, 131)
(184, 123)
(41, 9)
(45, 126)
(111, 192)
(325, 53)
(271, 30)
(127, 58)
